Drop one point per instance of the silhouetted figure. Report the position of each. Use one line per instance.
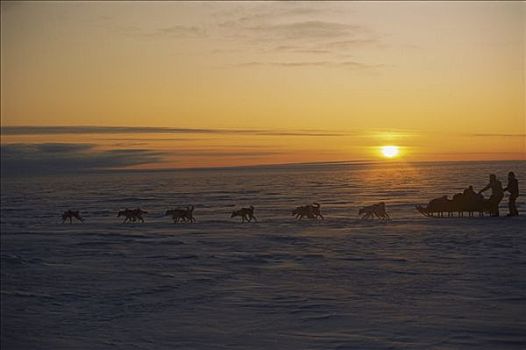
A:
(183, 215)
(132, 215)
(435, 206)
(177, 215)
(513, 189)
(497, 193)
(467, 201)
(189, 215)
(70, 214)
(245, 214)
(312, 211)
(457, 204)
(469, 192)
(470, 200)
(377, 209)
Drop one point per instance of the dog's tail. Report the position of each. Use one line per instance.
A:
(317, 205)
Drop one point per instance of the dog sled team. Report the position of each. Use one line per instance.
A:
(186, 215)
(471, 202)
(468, 201)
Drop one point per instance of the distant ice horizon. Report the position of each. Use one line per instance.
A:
(274, 166)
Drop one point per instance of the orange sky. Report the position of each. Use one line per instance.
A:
(268, 82)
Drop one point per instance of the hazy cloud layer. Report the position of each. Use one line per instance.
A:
(207, 153)
(305, 34)
(306, 30)
(276, 11)
(346, 64)
(57, 158)
(51, 130)
(72, 158)
(58, 147)
(172, 31)
(182, 31)
(498, 135)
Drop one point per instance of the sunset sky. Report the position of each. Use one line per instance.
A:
(197, 84)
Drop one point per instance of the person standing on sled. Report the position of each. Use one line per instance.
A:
(497, 193)
(513, 189)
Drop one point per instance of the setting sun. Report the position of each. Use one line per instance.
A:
(390, 151)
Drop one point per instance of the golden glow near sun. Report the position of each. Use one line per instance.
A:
(119, 78)
(390, 151)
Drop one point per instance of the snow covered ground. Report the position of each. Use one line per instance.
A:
(412, 283)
